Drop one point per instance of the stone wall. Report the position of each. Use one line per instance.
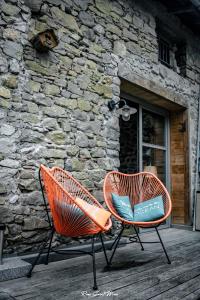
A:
(53, 107)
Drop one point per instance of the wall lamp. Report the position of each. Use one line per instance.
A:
(123, 109)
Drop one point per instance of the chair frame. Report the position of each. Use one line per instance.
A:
(125, 223)
(48, 241)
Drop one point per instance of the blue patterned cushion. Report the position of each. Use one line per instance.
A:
(123, 206)
(150, 210)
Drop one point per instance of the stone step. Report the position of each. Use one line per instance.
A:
(13, 267)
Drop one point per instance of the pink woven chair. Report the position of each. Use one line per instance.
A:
(139, 187)
(74, 212)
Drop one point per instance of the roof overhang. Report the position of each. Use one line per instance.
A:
(187, 10)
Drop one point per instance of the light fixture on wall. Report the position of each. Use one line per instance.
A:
(123, 109)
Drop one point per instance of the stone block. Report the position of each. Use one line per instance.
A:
(84, 105)
(9, 9)
(32, 108)
(68, 103)
(83, 4)
(51, 89)
(119, 48)
(77, 165)
(101, 89)
(3, 189)
(7, 145)
(98, 153)
(67, 62)
(84, 153)
(55, 111)
(103, 6)
(14, 66)
(75, 89)
(13, 49)
(27, 184)
(13, 199)
(3, 64)
(33, 223)
(130, 35)
(86, 18)
(57, 137)
(33, 198)
(38, 68)
(50, 124)
(34, 86)
(33, 5)
(66, 20)
(2, 200)
(114, 29)
(31, 136)
(12, 268)
(72, 150)
(7, 129)
(10, 163)
(4, 92)
(54, 153)
(66, 126)
(6, 215)
(81, 140)
(11, 34)
(11, 82)
(117, 8)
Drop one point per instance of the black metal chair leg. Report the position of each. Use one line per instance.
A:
(37, 257)
(113, 243)
(49, 248)
(94, 266)
(104, 249)
(168, 260)
(116, 244)
(142, 248)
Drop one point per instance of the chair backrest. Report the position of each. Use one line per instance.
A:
(139, 187)
(61, 191)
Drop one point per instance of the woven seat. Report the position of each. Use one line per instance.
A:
(72, 210)
(139, 187)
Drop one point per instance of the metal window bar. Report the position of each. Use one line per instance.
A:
(164, 51)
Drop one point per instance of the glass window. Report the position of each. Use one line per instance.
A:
(153, 128)
(155, 159)
(128, 154)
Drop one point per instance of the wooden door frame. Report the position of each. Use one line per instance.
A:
(187, 177)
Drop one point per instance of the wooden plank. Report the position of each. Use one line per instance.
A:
(134, 281)
(135, 270)
(71, 291)
(179, 167)
(181, 290)
(67, 278)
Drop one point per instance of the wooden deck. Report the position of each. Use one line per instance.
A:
(135, 274)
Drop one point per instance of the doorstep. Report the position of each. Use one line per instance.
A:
(13, 267)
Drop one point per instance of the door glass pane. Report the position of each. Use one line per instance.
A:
(128, 155)
(153, 128)
(154, 159)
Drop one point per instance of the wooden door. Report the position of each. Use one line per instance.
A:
(179, 167)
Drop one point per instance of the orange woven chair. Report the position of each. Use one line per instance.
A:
(75, 212)
(139, 187)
